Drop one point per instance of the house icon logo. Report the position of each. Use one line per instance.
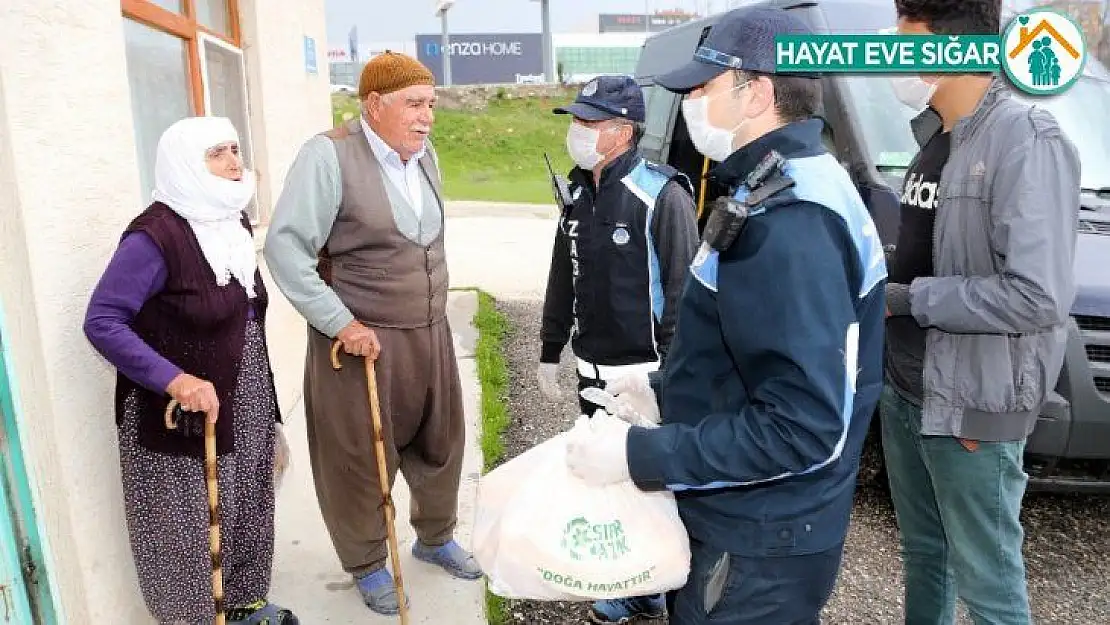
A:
(1044, 52)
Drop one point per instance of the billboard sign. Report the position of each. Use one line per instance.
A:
(634, 22)
(484, 58)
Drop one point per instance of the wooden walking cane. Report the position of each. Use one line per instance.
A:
(383, 477)
(211, 476)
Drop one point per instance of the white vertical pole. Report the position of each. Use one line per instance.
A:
(446, 50)
(548, 53)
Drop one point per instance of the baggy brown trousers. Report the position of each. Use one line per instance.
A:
(424, 430)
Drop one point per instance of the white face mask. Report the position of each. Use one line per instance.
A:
(582, 145)
(715, 143)
(913, 91)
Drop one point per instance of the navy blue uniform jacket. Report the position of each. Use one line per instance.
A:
(776, 364)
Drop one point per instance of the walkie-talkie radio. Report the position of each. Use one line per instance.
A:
(728, 215)
(560, 186)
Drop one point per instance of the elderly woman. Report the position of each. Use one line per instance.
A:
(180, 313)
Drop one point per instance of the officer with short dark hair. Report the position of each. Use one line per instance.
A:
(776, 366)
(622, 253)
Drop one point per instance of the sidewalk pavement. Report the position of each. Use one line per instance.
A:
(307, 575)
(503, 248)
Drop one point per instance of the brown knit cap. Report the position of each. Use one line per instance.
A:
(391, 71)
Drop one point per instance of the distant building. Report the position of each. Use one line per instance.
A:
(640, 22)
(581, 56)
(344, 71)
(517, 58)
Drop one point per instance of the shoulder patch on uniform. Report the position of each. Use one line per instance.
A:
(824, 181)
(704, 267)
(672, 173)
(663, 168)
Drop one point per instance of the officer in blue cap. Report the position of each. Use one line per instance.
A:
(776, 365)
(623, 247)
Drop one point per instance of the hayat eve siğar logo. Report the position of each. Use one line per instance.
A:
(1044, 51)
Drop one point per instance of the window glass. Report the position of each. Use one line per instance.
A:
(158, 76)
(170, 5)
(224, 80)
(659, 103)
(213, 14)
(1090, 133)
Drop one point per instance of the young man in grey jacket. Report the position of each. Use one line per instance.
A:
(980, 288)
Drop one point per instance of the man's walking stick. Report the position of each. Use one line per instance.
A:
(212, 477)
(383, 477)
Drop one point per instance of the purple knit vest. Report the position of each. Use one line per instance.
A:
(195, 324)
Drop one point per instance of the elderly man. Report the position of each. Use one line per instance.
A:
(356, 245)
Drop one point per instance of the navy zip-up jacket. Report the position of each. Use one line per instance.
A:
(776, 364)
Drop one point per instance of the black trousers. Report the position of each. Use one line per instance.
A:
(588, 408)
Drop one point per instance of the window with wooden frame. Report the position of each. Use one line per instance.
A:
(184, 57)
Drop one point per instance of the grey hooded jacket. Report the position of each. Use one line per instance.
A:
(1003, 248)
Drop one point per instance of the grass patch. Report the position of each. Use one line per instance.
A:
(493, 376)
(495, 154)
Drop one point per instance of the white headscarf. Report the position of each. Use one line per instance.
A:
(212, 205)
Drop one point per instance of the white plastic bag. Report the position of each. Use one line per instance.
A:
(542, 533)
(283, 457)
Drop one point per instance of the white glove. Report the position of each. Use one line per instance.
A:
(548, 376)
(635, 400)
(597, 449)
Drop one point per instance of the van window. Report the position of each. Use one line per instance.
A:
(668, 50)
(1075, 109)
(883, 120)
(660, 105)
(885, 123)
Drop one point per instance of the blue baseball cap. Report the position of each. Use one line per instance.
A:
(607, 97)
(744, 39)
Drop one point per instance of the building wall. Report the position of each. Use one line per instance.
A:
(287, 105)
(68, 185)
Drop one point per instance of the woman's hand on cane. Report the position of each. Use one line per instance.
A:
(195, 395)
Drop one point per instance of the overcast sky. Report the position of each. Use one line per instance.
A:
(406, 18)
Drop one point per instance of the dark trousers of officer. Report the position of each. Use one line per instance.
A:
(730, 589)
(588, 407)
(592, 377)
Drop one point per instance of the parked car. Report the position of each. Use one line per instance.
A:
(868, 130)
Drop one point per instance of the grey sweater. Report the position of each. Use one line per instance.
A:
(303, 217)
